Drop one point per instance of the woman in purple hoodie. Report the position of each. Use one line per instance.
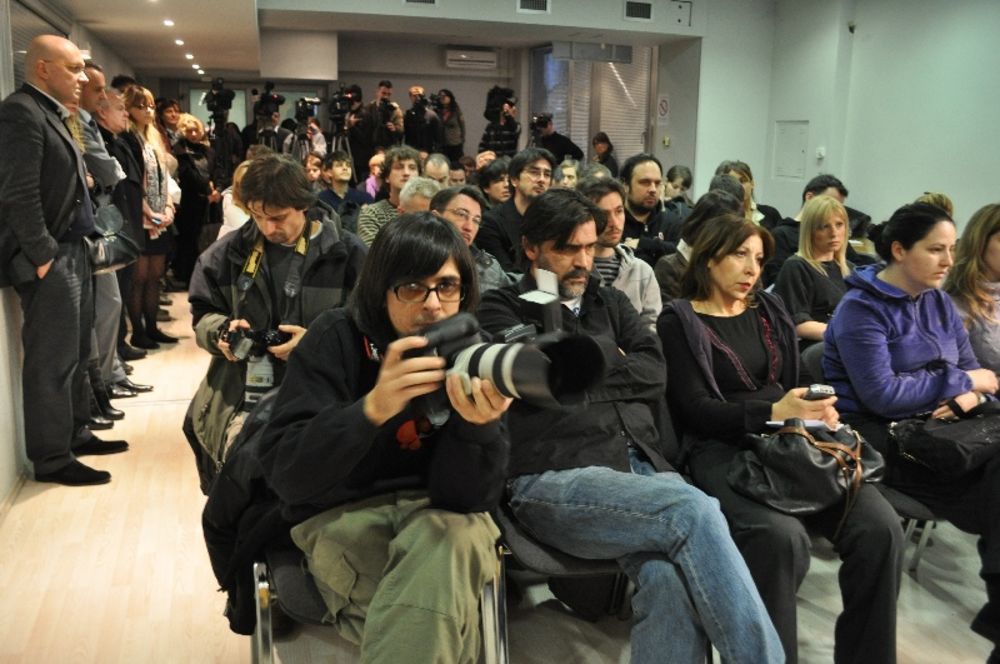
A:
(896, 348)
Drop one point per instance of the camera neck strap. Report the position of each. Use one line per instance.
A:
(293, 281)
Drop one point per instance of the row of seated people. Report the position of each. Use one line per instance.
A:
(390, 504)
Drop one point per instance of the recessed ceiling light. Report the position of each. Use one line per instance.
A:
(201, 71)
(189, 56)
(195, 66)
(167, 22)
(179, 42)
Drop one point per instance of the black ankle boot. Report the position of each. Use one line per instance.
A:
(99, 396)
(104, 401)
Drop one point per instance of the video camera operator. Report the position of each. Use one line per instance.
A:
(265, 129)
(503, 131)
(225, 140)
(357, 122)
(390, 499)
(308, 136)
(387, 118)
(422, 127)
(255, 291)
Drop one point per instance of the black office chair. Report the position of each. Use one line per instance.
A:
(913, 513)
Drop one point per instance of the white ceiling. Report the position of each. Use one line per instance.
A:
(223, 35)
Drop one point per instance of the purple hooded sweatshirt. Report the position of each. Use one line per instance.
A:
(895, 355)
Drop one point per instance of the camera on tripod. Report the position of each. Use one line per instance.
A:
(539, 122)
(496, 99)
(268, 102)
(218, 100)
(340, 105)
(305, 108)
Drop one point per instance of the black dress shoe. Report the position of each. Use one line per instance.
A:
(163, 316)
(116, 391)
(130, 353)
(157, 335)
(99, 423)
(135, 387)
(112, 413)
(143, 342)
(97, 446)
(75, 474)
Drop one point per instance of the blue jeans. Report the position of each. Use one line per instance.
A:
(673, 543)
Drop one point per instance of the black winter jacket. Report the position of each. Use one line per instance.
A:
(619, 411)
(321, 451)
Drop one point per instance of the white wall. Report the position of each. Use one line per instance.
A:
(924, 103)
(99, 53)
(679, 75)
(734, 86)
(12, 460)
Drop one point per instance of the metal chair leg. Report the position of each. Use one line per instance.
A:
(925, 536)
(263, 645)
(503, 652)
(487, 612)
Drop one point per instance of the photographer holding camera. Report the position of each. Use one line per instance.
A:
(422, 128)
(396, 530)
(594, 482)
(255, 291)
(503, 131)
(387, 118)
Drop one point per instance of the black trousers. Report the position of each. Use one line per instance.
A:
(776, 548)
(58, 321)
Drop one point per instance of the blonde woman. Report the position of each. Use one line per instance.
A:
(158, 214)
(811, 282)
(974, 284)
(234, 213)
(194, 174)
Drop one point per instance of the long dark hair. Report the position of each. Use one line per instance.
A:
(412, 247)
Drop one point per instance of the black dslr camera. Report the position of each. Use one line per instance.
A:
(305, 108)
(496, 98)
(246, 343)
(536, 362)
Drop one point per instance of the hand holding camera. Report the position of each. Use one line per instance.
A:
(481, 404)
(402, 379)
(224, 339)
(283, 350)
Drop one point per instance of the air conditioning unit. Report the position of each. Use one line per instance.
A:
(467, 58)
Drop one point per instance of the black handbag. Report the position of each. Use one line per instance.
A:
(110, 249)
(950, 449)
(801, 472)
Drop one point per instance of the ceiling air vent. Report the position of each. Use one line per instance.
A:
(638, 11)
(533, 6)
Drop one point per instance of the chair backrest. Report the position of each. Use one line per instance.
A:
(542, 558)
(812, 361)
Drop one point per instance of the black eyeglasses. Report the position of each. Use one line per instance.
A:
(417, 293)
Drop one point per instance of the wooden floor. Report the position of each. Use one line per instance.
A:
(119, 573)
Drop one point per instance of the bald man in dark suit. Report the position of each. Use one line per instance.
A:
(45, 214)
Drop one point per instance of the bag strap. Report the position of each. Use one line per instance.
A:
(853, 472)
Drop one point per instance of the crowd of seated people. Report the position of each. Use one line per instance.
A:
(325, 271)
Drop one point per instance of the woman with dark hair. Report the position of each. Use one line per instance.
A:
(670, 268)
(896, 348)
(811, 283)
(762, 215)
(168, 114)
(677, 184)
(974, 284)
(454, 125)
(732, 353)
(604, 153)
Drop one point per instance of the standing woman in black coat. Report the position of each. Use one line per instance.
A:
(454, 125)
(194, 173)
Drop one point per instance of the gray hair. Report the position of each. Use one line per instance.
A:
(418, 186)
(592, 170)
(437, 159)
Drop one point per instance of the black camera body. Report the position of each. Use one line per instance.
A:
(539, 364)
(340, 105)
(219, 100)
(305, 108)
(246, 343)
(268, 102)
(385, 111)
(496, 98)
